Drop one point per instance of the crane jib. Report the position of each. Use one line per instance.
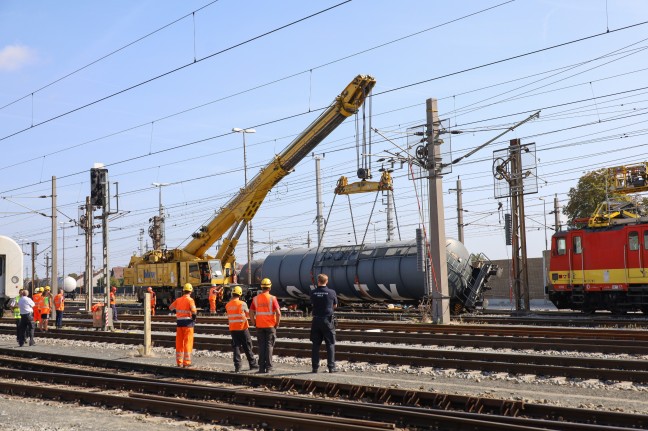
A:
(245, 204)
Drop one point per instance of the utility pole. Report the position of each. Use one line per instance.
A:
(390, 215)
(519, 255)
(47, 267)
(318, 199)
(438, 276)
(33, 259)
(141, 242)
(556, 212)
(54, 280)
(460, 223)
(89, 272)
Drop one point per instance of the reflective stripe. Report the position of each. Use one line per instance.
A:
(236, 316)
(264, 309)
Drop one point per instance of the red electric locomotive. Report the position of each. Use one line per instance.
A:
(600, 269)
(604, 266)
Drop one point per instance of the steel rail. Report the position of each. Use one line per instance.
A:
(573, 367)
(399, 415)
(531, 342)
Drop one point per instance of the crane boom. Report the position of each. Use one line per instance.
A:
(235, 215)
(167, 270)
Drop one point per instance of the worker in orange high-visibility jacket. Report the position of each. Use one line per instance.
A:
(36, 297)
(265, 315)
(185, 309)
(237, 317)
(45, 307)
(113, 302)
(213, 294)
(153, 300)
(59, 305)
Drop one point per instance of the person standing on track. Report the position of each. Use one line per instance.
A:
(213, 293)
(153, 300)
(16, 311)
(59, 306)
(324, 302)
(113, 303)
(237, 316)
(36, 297)
(185, 309)
(26, 306)
(45, 307)
(265, 315)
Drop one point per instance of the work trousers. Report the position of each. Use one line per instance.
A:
(266, 338)
(323, 329)
(59, 319)
(184, 345)
(241, 340)
(25, 329)
(18, 329)
(114, 311)
(212, 305)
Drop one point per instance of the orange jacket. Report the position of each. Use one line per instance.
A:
(112, 298)
(59, 302)
(37, 300)
(184, 308)
(237, 315)
(265, 306)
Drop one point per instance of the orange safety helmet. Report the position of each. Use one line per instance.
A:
(150, 289)
(114, 289)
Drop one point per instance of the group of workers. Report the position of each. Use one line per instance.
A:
(264, 313)
(35, 312)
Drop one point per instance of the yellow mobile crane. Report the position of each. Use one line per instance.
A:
(167, 270)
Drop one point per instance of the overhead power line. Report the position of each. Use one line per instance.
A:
(169, 72)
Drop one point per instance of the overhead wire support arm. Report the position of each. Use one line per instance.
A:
(490, 141)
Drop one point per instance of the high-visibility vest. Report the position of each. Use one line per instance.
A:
(153, 300)
(37, 300)
(16, 309)
(59, 302)
(112, 298)
(236, 317)
(265, 314)
(184, 307)
(43, 305)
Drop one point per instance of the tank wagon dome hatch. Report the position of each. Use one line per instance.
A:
(376, 273)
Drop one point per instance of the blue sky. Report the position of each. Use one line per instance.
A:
(176, 128)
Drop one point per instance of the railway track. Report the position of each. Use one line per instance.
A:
(609, 341)
(280, 403)
(496, 362)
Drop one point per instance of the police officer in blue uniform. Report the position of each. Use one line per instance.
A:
(324, 301)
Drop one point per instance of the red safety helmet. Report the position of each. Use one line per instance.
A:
(114, 289)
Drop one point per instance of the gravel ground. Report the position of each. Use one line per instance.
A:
(592, 394)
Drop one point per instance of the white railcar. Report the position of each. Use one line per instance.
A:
(11, 270)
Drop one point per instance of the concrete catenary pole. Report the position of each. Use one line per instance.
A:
(390, 215)
(318, 199)
(460, 223)
(439, 268)
(89, 273)
(54, 280)
(33, 262)
(556, 214)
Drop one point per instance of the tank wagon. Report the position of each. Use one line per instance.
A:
(377, 273)
(11, 270)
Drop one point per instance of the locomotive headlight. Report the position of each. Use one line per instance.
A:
(14, 279)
